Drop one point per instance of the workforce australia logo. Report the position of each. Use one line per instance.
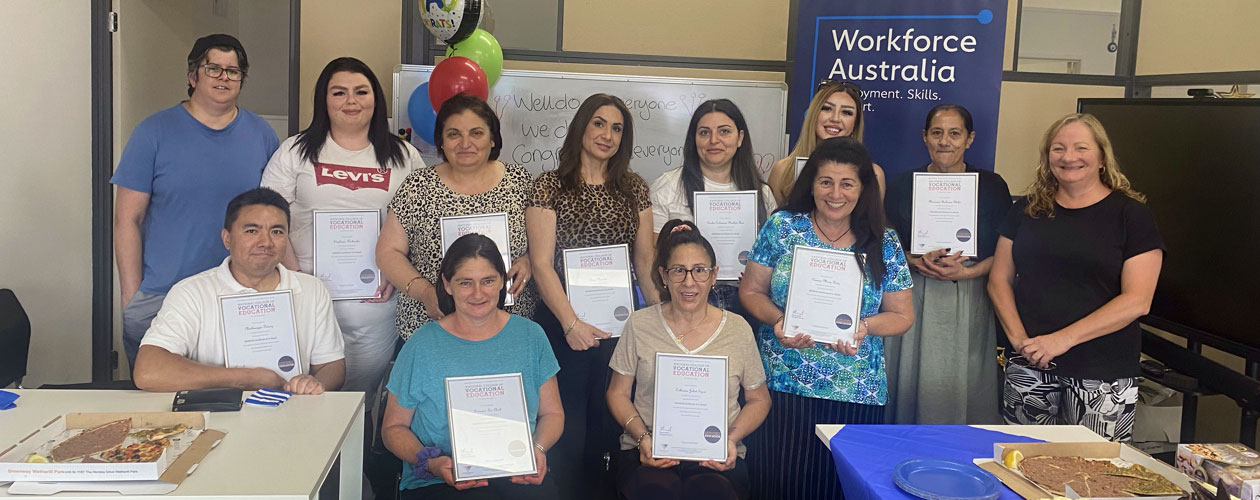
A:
(351, 178)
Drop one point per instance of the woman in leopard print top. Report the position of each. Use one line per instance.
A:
(591, 199)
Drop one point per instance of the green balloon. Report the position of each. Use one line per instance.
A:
(483, 49)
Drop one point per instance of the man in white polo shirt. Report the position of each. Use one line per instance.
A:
(183, 348)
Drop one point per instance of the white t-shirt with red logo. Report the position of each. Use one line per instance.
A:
(340, 180)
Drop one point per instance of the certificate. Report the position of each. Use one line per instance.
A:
(493, 226)
(729, 221)
(259, 332)
(345, 252)
(690, 413)
(597, 281)
(944, 212)
(489, 426)
(800, 165)
(824, 296)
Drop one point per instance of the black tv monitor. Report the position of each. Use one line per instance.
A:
(1198, 163)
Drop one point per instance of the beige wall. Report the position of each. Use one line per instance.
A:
(47, 199)
(734, 29)
(1198, 37)
(1025, 112)
(369, 30)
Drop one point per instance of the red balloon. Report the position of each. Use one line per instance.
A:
(457, 75)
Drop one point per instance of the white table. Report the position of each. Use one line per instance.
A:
(269, 453)
(1049, 433)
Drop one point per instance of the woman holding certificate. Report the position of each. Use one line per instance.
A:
(717, 158)
(591, 201)
(686, 326)
(835, 111)
(1088, 254)
(943, 371)
(470, 181)
(338, 175)
(452, 453)
(833, 224)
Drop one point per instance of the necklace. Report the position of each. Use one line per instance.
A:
(680, 338)
(829, 238)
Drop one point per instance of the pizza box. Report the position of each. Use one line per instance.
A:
(1235, 465)
(176, 462)
(1094, 450)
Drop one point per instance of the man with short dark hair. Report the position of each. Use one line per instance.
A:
(184, 347)
(180, 166)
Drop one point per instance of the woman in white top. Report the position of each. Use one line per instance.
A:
(347, 159)
(717, 156)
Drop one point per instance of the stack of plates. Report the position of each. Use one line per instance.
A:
(945, 480)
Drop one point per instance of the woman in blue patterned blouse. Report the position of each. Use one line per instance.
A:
(834, 204)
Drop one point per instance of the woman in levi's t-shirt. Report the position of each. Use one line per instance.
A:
(346, 159)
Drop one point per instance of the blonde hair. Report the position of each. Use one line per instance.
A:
(808, 139)
(1044, 186)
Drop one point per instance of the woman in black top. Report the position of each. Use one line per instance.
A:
(944, 370)
(1087, 253)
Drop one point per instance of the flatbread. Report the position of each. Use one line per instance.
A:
(1089, 478)
(91, 441)
(148, 451)
(164, 432)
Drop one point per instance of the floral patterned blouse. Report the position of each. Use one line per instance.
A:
(818, 372)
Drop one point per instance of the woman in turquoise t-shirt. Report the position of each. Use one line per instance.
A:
(476, 337)
(812, 383)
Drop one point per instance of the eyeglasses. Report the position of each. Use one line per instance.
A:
(215, 71)
(678, 274)
(846, 85)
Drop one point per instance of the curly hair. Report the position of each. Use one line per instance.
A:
(1045, 185)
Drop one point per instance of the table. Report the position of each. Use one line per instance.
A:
(282, 453)
(1051, 433)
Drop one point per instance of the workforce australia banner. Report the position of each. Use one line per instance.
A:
(907, 56)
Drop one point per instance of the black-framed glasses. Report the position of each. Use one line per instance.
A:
(844, 84)
(215, 71)
(678, 274)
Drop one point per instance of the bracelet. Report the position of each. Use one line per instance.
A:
(639, 441)
(539, 447)
(407, 289)
(867, 326)
(570, 327)
(626, 425)
(421, 470)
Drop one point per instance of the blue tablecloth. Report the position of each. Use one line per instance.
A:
(866, 454)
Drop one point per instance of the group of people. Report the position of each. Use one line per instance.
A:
(1064, 274)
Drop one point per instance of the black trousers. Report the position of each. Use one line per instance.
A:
(687, 480)
(499, 489)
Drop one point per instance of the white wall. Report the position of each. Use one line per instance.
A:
(1069, 34)
(45, 197)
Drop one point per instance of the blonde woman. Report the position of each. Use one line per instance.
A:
(1088, 254)
(835, 111)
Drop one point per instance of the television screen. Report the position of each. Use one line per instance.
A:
(1198, 163)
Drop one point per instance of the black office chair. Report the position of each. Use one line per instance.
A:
(15, 339)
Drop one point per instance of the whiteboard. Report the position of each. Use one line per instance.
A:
(535, 107)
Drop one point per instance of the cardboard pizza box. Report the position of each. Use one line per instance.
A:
(1016, 481)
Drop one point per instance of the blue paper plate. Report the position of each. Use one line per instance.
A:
(945, 480)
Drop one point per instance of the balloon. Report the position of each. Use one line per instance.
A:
(484, 50)
(421, 115)
(457, 75)
(450, 20)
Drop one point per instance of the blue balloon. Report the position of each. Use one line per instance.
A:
(420, 113)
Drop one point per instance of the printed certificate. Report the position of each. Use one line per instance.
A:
(729, 221)
(800, 165)
(345, 252)
(824, 297)
(690, 413)
(944, 212)
(259, 332)
(493, 226)
(489, 426)
(597, 281)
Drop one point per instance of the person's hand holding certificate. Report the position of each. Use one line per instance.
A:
(597, 281)
(345, 252)
(824, 296)
(259, 332)
(689, 417)
(729, 221)
(944, 213)
(489, 424)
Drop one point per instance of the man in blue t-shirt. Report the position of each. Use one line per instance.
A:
(178, 171)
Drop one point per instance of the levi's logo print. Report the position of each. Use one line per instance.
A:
(351, 178)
